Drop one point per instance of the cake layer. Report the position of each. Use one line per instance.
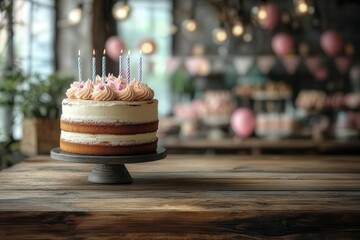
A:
(74, 110)
(109, 139)
(105, 149)
(108, 128)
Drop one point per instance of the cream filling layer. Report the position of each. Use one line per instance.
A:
(115, 140)
(74, 110)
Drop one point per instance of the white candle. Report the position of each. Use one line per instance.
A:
(79, 67)
(128, 68)
(120, 64)
(103, 66)
(140, 67)
(93, 66)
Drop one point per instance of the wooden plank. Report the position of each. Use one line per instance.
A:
(185, 163)
(154, 182)
(178, 225)
(176, 200)
(199, 173)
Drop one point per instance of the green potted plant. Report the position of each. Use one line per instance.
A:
(10, 80)
(40, 101)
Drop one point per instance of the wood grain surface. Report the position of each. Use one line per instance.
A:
(185, 197)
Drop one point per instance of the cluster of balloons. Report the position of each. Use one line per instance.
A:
(330, 41)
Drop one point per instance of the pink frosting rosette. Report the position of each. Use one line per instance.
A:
(142, 91)
(70, 93)
(98, 79)
(84, 90)
(114, 89)
(103, 92)
(127, 94)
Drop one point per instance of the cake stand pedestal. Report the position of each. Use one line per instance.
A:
(109, 169)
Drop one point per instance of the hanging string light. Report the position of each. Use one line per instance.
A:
(303, 7)
(190, 25)
(121, 10)
(148, 47)
(219, 34)
(237, 29)
(259, 13)
(75, 15)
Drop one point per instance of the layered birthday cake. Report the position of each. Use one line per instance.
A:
(109, 117)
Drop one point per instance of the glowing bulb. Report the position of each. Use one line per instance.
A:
(148, 47)
(237, 29)
(262, 14)
(190, 25)
(219, 35)
(121, 11)
(75, 15)
(303, 7)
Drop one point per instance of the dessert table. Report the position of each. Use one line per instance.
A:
(185, 196)
(258, 146)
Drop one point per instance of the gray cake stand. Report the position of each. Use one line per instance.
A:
(109, 169)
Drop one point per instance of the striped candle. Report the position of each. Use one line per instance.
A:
(140, 67)
(120, 64)
(103, 66)
(128, 68)
(93, 66)
(79, 67)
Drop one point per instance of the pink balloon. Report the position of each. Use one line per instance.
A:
(282, 44)
(272, 17)
(331, 42)
(113, 47)
(243, 122)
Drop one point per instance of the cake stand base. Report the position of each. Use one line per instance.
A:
(110, 174)
(109, 169)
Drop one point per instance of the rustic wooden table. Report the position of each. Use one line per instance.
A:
(185, 196)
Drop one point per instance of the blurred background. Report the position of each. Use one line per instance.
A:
(231, 76)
